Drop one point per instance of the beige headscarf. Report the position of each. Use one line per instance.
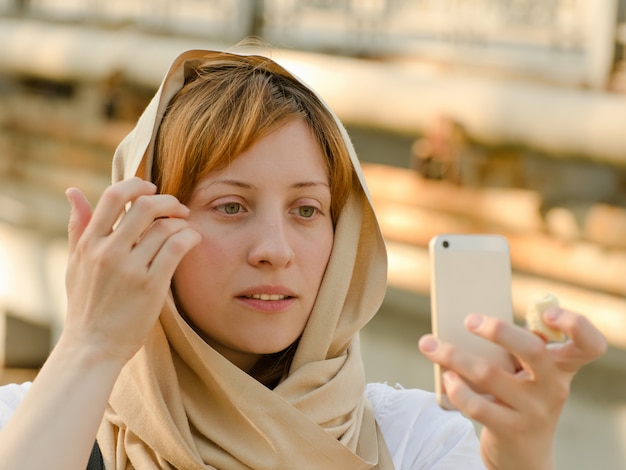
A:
(180, 404)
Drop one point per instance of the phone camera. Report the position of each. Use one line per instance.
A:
(446, 243)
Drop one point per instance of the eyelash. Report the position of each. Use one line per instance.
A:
(222, 208)
(316, 211)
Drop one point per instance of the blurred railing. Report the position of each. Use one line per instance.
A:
(570, 41)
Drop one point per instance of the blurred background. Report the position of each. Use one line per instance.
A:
(501, 116)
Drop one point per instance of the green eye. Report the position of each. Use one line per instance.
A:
(232, 207)
(306, 211)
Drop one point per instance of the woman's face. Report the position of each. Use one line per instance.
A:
(267, 234)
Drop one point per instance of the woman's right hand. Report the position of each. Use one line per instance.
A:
(118, 276)
(119, 272)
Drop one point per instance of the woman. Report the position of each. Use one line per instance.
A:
(215, 323)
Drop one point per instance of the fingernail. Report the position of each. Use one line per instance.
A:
(474, 321)
(552, 314)
(428, 343)
(68, 195)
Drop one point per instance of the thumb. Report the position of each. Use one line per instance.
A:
(80, 216)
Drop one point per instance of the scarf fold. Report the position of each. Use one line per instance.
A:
(180, 404)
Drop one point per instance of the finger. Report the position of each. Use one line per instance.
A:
(112, 202)
(157, 234)
(144, 211)
(475, 405)
(172, 252)
(482, 375)
(80, 215)
(528, 348)
(586, 342)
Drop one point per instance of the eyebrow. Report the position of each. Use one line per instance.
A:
(244, 185)
(226, 182)
(309, 184)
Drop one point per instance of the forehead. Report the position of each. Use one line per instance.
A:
(289, 154)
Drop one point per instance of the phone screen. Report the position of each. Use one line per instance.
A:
(469, 274)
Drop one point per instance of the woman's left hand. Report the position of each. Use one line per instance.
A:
(522, 408)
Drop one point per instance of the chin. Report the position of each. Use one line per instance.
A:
(273, 347)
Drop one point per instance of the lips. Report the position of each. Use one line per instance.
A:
(267, 292)
(267, 296)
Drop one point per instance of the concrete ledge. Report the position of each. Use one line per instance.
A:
(409, 271)
(23, 344)
(413, 304)
(32, 276)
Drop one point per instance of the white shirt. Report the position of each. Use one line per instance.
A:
(419, 434)
(10, 397)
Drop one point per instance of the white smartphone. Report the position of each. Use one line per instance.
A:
(469, 274)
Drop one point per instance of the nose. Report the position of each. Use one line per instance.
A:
(270, 244)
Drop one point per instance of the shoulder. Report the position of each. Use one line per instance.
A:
(11, 396)
(419, 433)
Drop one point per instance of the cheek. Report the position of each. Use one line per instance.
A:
(196, 269)
(318, 257)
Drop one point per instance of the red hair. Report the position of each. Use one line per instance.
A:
(224, 108)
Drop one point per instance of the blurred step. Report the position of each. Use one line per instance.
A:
(23, 344)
